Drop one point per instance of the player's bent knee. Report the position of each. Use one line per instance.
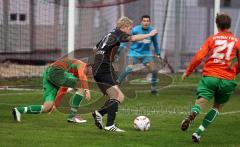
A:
(115, 93)
(202, 102)
(218, 106)
(120, 98)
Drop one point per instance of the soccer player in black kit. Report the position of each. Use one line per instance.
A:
(104, 73)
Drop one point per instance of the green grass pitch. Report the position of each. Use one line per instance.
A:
(165, 111)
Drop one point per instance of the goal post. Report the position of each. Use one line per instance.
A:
(71, 26)
(216, 11)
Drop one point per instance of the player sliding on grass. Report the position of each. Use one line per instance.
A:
(140, 51)
(218, 75)
(65, 72)
(104, 73)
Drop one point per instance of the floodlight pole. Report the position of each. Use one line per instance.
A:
(216, 10)
(71, 27)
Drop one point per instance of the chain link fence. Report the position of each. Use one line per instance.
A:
(34, 32)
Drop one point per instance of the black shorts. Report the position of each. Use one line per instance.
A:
(105, 80)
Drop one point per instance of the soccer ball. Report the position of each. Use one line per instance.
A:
(141, 123)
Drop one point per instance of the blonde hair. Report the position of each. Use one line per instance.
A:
(124, 22)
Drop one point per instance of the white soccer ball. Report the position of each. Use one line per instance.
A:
(142, 123)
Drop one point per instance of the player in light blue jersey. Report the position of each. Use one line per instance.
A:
(140, 52)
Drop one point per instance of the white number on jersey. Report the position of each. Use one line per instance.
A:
(220, 46)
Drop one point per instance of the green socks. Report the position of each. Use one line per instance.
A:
(33, 109)
(196, 109)
(36, 109)
(75, 104)
(208, 119)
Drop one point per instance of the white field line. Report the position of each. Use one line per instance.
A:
(12, 94)
(179, 85)
(28, 89)
(17, 89)
(168, 112)
(149, 112)
(230, 112)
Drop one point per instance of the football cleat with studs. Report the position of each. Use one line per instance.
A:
(98, 119)
(196, 138)
(113, 128)
(16, 114)
(186, 123)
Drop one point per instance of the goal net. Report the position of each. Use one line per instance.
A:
(34, 33)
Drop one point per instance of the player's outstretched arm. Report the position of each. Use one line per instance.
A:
(82, 74)
(143, 36)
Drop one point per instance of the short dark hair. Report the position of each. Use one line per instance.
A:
(223, 21)
(146, 16)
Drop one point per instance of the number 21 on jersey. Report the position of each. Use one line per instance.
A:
(218, 54)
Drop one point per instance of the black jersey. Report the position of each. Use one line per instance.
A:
(106, 50)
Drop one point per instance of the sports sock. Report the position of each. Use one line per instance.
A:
(196, 109)
(103, 109)
(123, 75)
(75, 104)
(111, 111)
(33, 109)
(154, 80)
(208, 119)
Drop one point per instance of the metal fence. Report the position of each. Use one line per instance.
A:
(37, 29)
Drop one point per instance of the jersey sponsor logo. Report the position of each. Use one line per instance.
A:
(225, 38)
(100, 52)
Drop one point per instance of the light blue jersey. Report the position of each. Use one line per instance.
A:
(142, 48)
(140, 51)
